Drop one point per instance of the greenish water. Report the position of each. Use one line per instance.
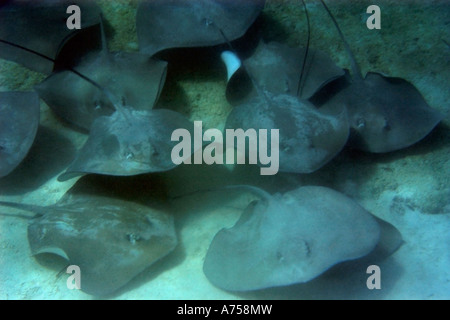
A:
(408, 188)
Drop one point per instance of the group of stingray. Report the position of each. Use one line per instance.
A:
(279, 240)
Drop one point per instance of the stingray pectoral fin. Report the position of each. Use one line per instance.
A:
(73, 99)
(54, 250)
(109, 239)
(394, 113)
(122, 78)
(161, 24)
(276, 67)
(41, 27)
(290, 239)
(19, 121)
(390, 241)
(129, 142)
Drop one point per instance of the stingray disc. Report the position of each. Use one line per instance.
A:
(290, 239)
(134, 79)
(387, 114)
(163, 24)
(129, 142)
(308, 138)
(275, 67)
(40, 26)
(19, 121)
(110, 240)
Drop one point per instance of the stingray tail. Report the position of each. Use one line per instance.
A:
(255, 190)
(105, 51)
(21, 206)
(17, 215)
(446, 42)
(82, 76)
(355, 68)
(300, 81)
(260, 92)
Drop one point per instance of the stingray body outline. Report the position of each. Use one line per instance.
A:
(111, 240)
(309, 137)
(133, 79)
(31, 24)
(117, 110)
(385, 113)
(290, 238)
(19, 121)
(166, 24)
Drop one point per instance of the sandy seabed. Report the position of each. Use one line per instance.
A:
(409, 188)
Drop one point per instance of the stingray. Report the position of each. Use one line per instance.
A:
(132, 79)
(110, 240)
(164, 24)
(129, 142)
(126, 136)
(123, 140)
(293, 238)
(275, 67)
(385, 113)
(41, 27)
(308, 138)
(19, 121)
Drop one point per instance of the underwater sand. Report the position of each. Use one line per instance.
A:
(409, 188)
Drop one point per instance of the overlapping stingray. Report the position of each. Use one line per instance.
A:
(275, 67)
(19, 121)
(110, 240)
(293, 238)
(112, 96)
(308, 138)
(125, 141)
(164, 24)
(41, 27)
(129, 142)
(385, 113)
(133, 79)
(50, 154)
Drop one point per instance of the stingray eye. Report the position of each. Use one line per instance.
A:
(129, 155)
(284, 146)
(97, 105)
(124, 101)
(280, 256)
(387, 125)
(133, 238)
(361, 123)
(207, 22)
(253, 203)
(286, 85)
